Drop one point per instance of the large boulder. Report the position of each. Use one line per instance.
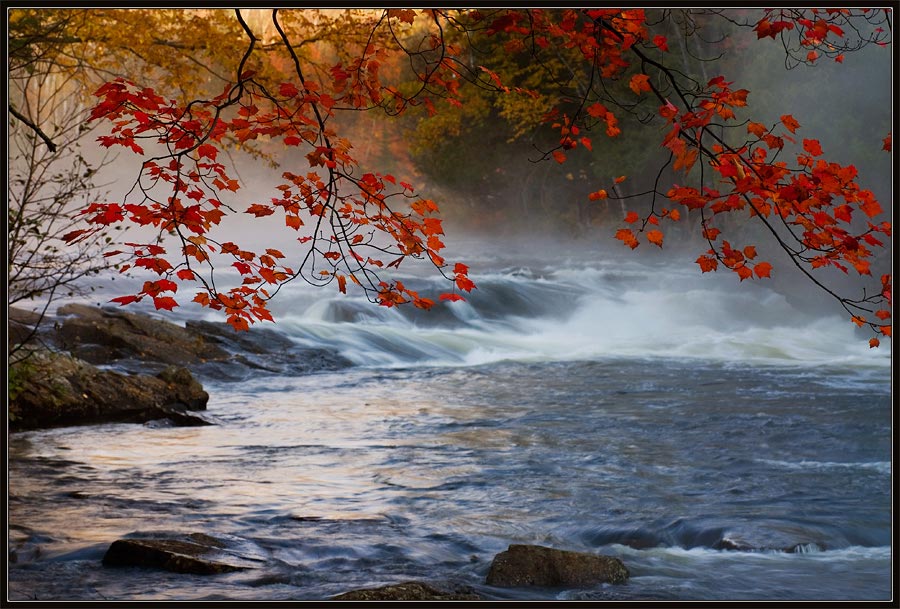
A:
(54, 390)
(409, 591)
(527, 565)
(194, 553)
(139, 342)
(105, 336)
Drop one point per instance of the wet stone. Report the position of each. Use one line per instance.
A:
(195, 553)
(527, 565)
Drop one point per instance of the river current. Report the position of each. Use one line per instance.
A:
(723, 442)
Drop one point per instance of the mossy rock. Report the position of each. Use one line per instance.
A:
(55, 390)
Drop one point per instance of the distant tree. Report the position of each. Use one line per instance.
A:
(350, 224)
(49, 180)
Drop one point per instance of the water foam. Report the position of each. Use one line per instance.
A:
(585, 313)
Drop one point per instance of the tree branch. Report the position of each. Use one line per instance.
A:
(27, 122)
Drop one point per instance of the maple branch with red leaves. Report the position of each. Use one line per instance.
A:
(807, 208)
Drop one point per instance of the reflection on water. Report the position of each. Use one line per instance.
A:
(375, 476)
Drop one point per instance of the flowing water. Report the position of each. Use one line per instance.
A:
(722, 441)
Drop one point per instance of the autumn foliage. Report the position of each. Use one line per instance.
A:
(355, 224)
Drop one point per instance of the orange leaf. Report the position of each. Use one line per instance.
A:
(763, 269)
(599, 194)
(661, 43)
(632, 217)
(812, 147)
(656, 237)
(639, 82)
(619, 180)
(711, 233)
(464, 283)
(164, 302)
(259, 210)
(560, 156)
(757, 129)
(287, 89)
(668, 111)
(207, 150)
(238, 323)
(789, 123)
(185, 274)
(432, 226)
(124, 300)
(750, 252)
(626, 236)
(597, 110)
(707, 263)
(871, 208)
(874, 342)
(451, 297)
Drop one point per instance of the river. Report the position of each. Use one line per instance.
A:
(723, 441)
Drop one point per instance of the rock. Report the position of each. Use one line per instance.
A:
(22, 325)
(195, 553)
(55, 390)
(137, 342)
(264, 349)
(104, 336)
(732, 545)
(526, 565)
(408, 591)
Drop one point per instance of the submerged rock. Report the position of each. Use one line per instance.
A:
(527, 565)
(195, 553)
(409, 591)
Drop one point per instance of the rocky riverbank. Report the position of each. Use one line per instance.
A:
(89, 365)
